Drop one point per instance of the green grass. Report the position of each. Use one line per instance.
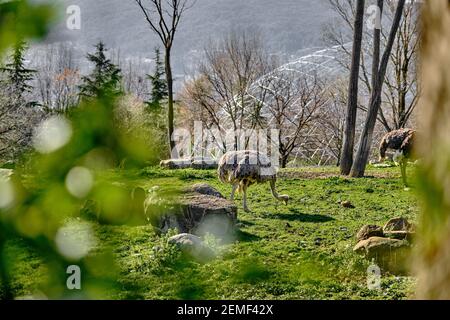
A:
(299, 251)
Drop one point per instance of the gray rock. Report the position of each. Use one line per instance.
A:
(204, 164)
(206, 189)
(400, 235)
(207, 213)
(195, 213)
(369, 231)
(192, 246)
(398, 224)
(390, 254)
(195, 163)
(176, 163)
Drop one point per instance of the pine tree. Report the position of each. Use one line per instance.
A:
(16, 76)
(105, 79)
(159, 84)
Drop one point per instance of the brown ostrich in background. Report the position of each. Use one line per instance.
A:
(242, 169)
(402, 142)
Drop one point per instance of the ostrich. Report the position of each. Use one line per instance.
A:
(242, 169)
(402, 141)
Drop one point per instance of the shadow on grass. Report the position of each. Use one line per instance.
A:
(246, 223)
(252, 271)
(130, 290)
(298, 216)
(189, 290)
(244, 236)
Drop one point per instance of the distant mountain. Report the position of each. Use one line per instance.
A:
(287, 26)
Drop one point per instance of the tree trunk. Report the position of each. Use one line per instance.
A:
(365, 142)
(284, 161)
(377, 46)
(402, 95)
(170, 112)
(352, 105)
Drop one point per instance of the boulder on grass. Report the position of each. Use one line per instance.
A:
(400, 235)
(205, 213)
(390, 254)
(204, 164)
(369, 231)
(398, 224)
(195, 163)
(192, 246)
(206, 189)
(197, 213)
(176, 164)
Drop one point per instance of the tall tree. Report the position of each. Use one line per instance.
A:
(293, 104)
(377, 43)
(352, 106)
(221, 92)
(16, 117)
(105, 79)
(365, 142)
(57, 79)
(16, 75)
(159, 83)
(401, 90)
(163, 17)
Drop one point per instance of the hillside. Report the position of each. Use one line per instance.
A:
(287, 25)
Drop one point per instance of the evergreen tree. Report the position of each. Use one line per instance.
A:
(159, 84)
(105, 79)
(16, 76)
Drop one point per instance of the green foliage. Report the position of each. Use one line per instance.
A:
(44, 198)
(150, 258)
(39, 203)
(164, 256)
(18, 20)
(17, 76)
(105, 79)
(159, 84)
(21, 20)
(155, 115)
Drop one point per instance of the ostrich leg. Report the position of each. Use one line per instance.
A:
(273, 189)
(283, 198)
(403, 164)
(244, 189)
(233, 191)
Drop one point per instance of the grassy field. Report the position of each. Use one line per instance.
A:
(299, 251)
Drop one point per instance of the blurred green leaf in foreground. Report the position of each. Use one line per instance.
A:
(40, 204)
(22, 20)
